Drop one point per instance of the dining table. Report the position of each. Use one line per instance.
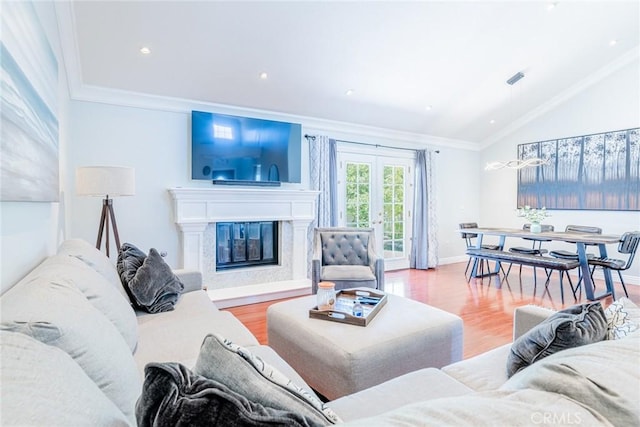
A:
(580, 240)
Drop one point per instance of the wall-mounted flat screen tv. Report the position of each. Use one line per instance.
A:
(241, 150)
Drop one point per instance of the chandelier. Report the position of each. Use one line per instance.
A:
(516, 164)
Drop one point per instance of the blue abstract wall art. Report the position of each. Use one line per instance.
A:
(591, 172)
(29, 168)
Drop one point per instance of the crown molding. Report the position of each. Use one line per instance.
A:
(337, 129)
(564, 96)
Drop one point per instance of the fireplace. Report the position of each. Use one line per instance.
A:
(199, 211)
(246, 244)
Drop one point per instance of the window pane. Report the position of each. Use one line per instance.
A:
(357, 194)
(398, 231)
(398, 212)
(398, 196)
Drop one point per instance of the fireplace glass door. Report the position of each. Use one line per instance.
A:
(244, 244)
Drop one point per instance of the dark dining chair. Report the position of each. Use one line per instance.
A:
(578, 229)
(470, 242)
(628, 246)
(535, 249)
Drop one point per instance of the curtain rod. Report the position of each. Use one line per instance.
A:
(313, 137)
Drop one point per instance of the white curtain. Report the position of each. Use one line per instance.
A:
(424, 248)
(323, 177)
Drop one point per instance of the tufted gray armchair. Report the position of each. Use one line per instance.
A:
(347, 257)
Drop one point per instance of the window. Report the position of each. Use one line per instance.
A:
(222, 132)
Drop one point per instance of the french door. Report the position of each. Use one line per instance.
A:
(377, 191)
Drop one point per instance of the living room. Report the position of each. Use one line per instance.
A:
(150, 133)
(102, 125)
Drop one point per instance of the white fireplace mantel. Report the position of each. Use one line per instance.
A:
(196, 208)
(205, 205)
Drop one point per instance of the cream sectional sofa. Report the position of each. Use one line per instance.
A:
(74, 306)
(73, 353)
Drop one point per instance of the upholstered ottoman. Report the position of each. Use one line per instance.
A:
(337, 359)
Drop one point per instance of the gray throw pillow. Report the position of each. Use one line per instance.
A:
(572, 327)
(248, 375)
(174, 396)
(154, 287)
(130, 259)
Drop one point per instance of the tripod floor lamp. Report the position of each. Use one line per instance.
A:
(106, 181)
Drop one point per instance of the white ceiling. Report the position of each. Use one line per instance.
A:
(397, 57)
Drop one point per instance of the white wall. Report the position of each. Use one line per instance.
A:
(610, 104)
(157, 144)
(152, 142)
(458, 199)
(31, 231)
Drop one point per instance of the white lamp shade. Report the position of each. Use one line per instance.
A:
(105, 181)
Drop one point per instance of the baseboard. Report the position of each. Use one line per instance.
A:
(252, 294)
(452, 260)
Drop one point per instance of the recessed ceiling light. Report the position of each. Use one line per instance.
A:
(263, 76)
(613, 42)
(552, 6)
(429, 107)
(492, 121)
(349, 92)
(145, 50)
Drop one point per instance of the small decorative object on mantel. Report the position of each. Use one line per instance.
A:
(534, 216)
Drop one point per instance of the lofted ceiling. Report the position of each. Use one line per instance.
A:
(428, 68)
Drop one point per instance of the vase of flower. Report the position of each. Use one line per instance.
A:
(534, 216)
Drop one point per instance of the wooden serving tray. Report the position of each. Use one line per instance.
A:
(371, 300)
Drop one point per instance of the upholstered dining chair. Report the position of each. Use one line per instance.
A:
(628, 246)
(347, 257)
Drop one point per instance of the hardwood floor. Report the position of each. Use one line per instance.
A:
(486, 306)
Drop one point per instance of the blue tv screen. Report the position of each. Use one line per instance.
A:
(243, 149)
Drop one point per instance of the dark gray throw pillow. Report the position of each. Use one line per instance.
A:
(130, 259)
(572, 327)
(250, 376)
(172, 395)
(154, 287)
